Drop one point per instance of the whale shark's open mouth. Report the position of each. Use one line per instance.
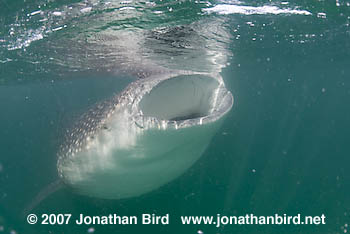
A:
(180, 98)
(185, 100)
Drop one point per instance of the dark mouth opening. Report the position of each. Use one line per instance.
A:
(180, 98)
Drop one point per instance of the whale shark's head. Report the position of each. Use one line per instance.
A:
(144, 137)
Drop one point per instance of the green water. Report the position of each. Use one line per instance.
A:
(283, 147)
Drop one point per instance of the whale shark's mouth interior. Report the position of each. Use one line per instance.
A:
(181, 98)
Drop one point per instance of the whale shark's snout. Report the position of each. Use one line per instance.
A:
(145, 137)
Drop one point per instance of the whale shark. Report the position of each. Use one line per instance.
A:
(142, 138)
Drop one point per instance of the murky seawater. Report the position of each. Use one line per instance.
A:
(283, 148)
